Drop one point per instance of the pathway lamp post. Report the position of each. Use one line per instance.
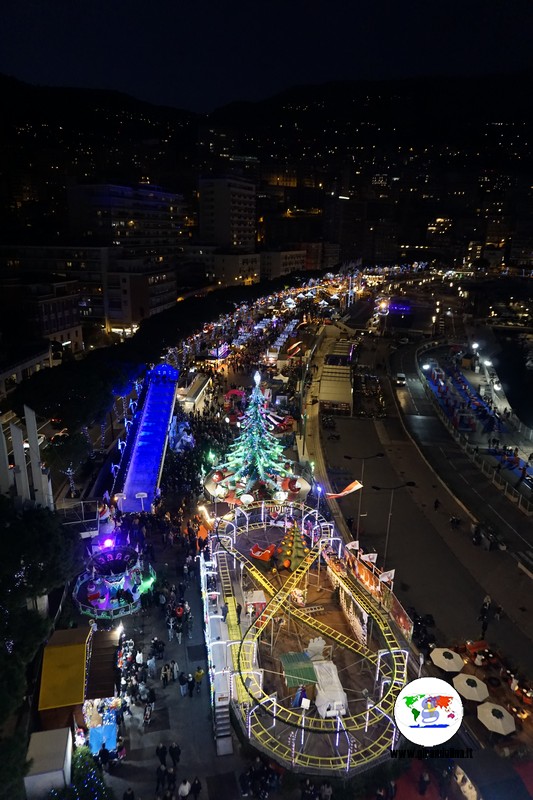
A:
(362, 459)
(392, 490)
(120, 496)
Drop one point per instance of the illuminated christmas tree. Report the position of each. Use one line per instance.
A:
(255, 459)
(293, 548)
(87, 780)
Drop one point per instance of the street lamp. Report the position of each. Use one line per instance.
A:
(120, 496)
(318, 492)
(141, 496)
(362, 460)
(390, 489)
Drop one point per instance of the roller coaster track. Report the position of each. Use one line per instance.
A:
(394, 673)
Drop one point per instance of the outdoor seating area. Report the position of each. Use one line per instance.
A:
(498, 701)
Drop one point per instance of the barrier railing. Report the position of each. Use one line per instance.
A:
(492, 473)
(275, 731)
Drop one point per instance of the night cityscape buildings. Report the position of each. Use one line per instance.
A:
(132, 233)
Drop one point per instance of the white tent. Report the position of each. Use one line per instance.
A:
(50, 753)
(331, 698)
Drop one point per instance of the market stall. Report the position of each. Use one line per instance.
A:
(62, 689)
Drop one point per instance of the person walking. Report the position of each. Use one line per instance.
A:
(165, 675)
(423, 783)
(238, 609)
(178, 629)
(198, 677)
(129, 794)
(171, 779)
(105, 757)
(147, 716)
(170, 628)
(184, 788)
(174, 752)
(196, 788)
(224, 610)
(436, 504)
(190, 684)
(484, 626)
(161, 777)
(151, 666)
(161, 753)
(174, 671)
(182, 680)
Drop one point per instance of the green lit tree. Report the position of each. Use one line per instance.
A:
(256, 456)
(87, 781)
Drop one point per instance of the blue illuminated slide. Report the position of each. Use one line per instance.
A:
(148, 452)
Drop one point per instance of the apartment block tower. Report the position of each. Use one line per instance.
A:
(227, 213)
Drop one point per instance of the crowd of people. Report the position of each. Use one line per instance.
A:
(174, 534)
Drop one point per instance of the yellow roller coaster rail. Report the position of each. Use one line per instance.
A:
(280, 731)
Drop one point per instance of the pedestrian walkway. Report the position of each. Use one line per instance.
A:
(186, 720)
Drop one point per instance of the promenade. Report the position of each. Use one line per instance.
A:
(438, 569)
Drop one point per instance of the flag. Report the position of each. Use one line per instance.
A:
(372, 557)
(352, 487)
(388, 575)
(352, 546)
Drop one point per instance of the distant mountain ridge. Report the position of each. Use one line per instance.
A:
(19, 97)
(504, 96)
(484, 97)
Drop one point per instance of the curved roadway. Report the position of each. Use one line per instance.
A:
(438, 569)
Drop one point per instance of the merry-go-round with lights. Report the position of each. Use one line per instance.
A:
(115, 577)
(305, 658)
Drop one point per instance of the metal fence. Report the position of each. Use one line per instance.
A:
(471, 450)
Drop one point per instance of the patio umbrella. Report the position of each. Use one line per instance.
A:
(470, 688)
(496, 718)
(446, 659)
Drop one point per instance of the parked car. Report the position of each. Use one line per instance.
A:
(41, 440)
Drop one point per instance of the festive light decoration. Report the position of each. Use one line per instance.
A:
(256, 456)
(293, 547)
(87, 779)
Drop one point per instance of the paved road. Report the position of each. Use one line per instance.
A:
(439, 570)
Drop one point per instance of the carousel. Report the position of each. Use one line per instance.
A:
(114, 581)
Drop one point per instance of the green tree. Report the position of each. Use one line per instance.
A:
(256, 456)
(87, 781)
(38, 554)
(13, 766)
(67, 450)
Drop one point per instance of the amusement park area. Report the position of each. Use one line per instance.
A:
(234, 620)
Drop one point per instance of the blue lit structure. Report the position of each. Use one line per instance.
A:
(148, 450)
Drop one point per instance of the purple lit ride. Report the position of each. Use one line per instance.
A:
(114, 581)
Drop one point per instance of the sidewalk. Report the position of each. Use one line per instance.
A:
(187, 721)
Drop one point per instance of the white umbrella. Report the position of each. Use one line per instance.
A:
(446, 659)
(496, 718)
(470, 688)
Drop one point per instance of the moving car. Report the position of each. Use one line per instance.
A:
(400, 379)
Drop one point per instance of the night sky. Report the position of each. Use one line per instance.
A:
(200, 54)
